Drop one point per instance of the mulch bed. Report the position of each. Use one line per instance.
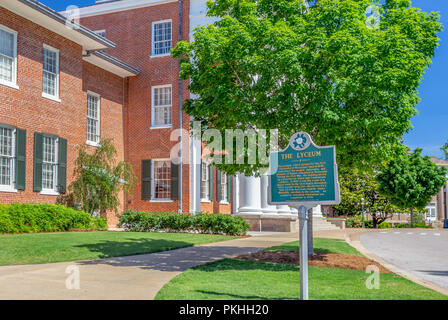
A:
(330, 260)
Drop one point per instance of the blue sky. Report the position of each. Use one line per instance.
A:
(431, 124)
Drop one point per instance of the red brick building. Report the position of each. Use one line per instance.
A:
(63, 85)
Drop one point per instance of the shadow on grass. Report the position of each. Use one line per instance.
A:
(107, 249)
(165, 255)
(222, 295)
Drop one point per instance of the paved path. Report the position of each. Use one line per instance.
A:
(421, 252)
(134, 277)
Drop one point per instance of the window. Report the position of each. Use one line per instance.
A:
(431, 212)
(101, 33)
(50, 87)
(93, 118)
(205, 182)
(7, 154)
(162, 180)
(223, 187)
(50, 164)
(8, 57)
(161, 38)
(161, 106)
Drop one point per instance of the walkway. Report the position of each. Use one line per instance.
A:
(134, 277)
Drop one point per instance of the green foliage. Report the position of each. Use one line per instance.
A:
(410, 181)
(98, 179)
(445, 150)
(357, 185)
(274, 64)
(173, 222)
(384, 225)
(32, 218)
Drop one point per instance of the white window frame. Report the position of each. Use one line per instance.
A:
(206, 181)
(153, 184)
(429, 207)
(153, 55)
(224, 195)
(13, 83)
(51, 192)
(46, 95)
(98, 129)
(153, 107)
(12, 186)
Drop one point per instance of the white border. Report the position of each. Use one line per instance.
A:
(51, 192)
(12, 188)
(153, 185)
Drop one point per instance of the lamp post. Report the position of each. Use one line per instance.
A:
(362, 209)
(445, 225)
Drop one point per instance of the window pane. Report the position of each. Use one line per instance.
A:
(162, 38)
(93, 116)
(162, 106)
(6, 68)
(50, 73)
(205, 182)
(49, 165)
(6, 156)
(162, 180)
(6, 142)
(6, 43)
(49, 85)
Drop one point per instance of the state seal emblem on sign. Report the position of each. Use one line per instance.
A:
(300, 141)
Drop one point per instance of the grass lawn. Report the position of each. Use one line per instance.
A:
(57, 247)
(246, 280)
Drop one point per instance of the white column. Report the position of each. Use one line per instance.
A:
(265, 207)
(249, 195)
(317, 212)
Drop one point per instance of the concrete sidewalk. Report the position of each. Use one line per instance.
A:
(134, 277)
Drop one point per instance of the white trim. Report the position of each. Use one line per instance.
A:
(153, 184)
(160, 55)
(46, 95)
(152, 38)
(162, 126)
(224, 202)
(47, 192)
(13, 83)
(52, 192)
(117, 6)
(88, 142)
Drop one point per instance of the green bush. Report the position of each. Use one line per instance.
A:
(416, 225)
(384, 225)
(174, 222)
(33, 218)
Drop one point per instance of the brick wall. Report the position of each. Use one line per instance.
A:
(131, 30)
(25, 108)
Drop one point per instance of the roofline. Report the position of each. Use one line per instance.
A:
(117, 62)
(113, 6)
(63, 20)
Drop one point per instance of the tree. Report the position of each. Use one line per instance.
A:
(357, 185)
(410, 181)
(276, 64)
(445, 150)
(98, 179)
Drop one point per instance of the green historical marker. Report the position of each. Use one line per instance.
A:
(303, 176)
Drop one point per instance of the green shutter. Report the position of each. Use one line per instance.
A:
(62, 166)
(212, 182)
(175, 181)
(218, 186)
(146, 179)
(20, 159)
(38, 158)
(229, 189)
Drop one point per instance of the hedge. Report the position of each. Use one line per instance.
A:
(173, 222)
(33, 218)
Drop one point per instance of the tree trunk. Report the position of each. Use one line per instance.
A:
(412, 217)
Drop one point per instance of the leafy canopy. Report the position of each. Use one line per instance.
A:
(274, 64)
(410, 181)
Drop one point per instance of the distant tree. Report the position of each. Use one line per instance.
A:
(445, 150)
(98, 179)
(410, 181)
(357, 185)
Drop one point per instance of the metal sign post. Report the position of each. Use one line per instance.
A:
(303, 176)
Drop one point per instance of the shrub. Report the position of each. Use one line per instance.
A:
(384, 225)
(174, 222)
(33, 218)
(356, 222)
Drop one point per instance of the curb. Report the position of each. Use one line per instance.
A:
(354, 240)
